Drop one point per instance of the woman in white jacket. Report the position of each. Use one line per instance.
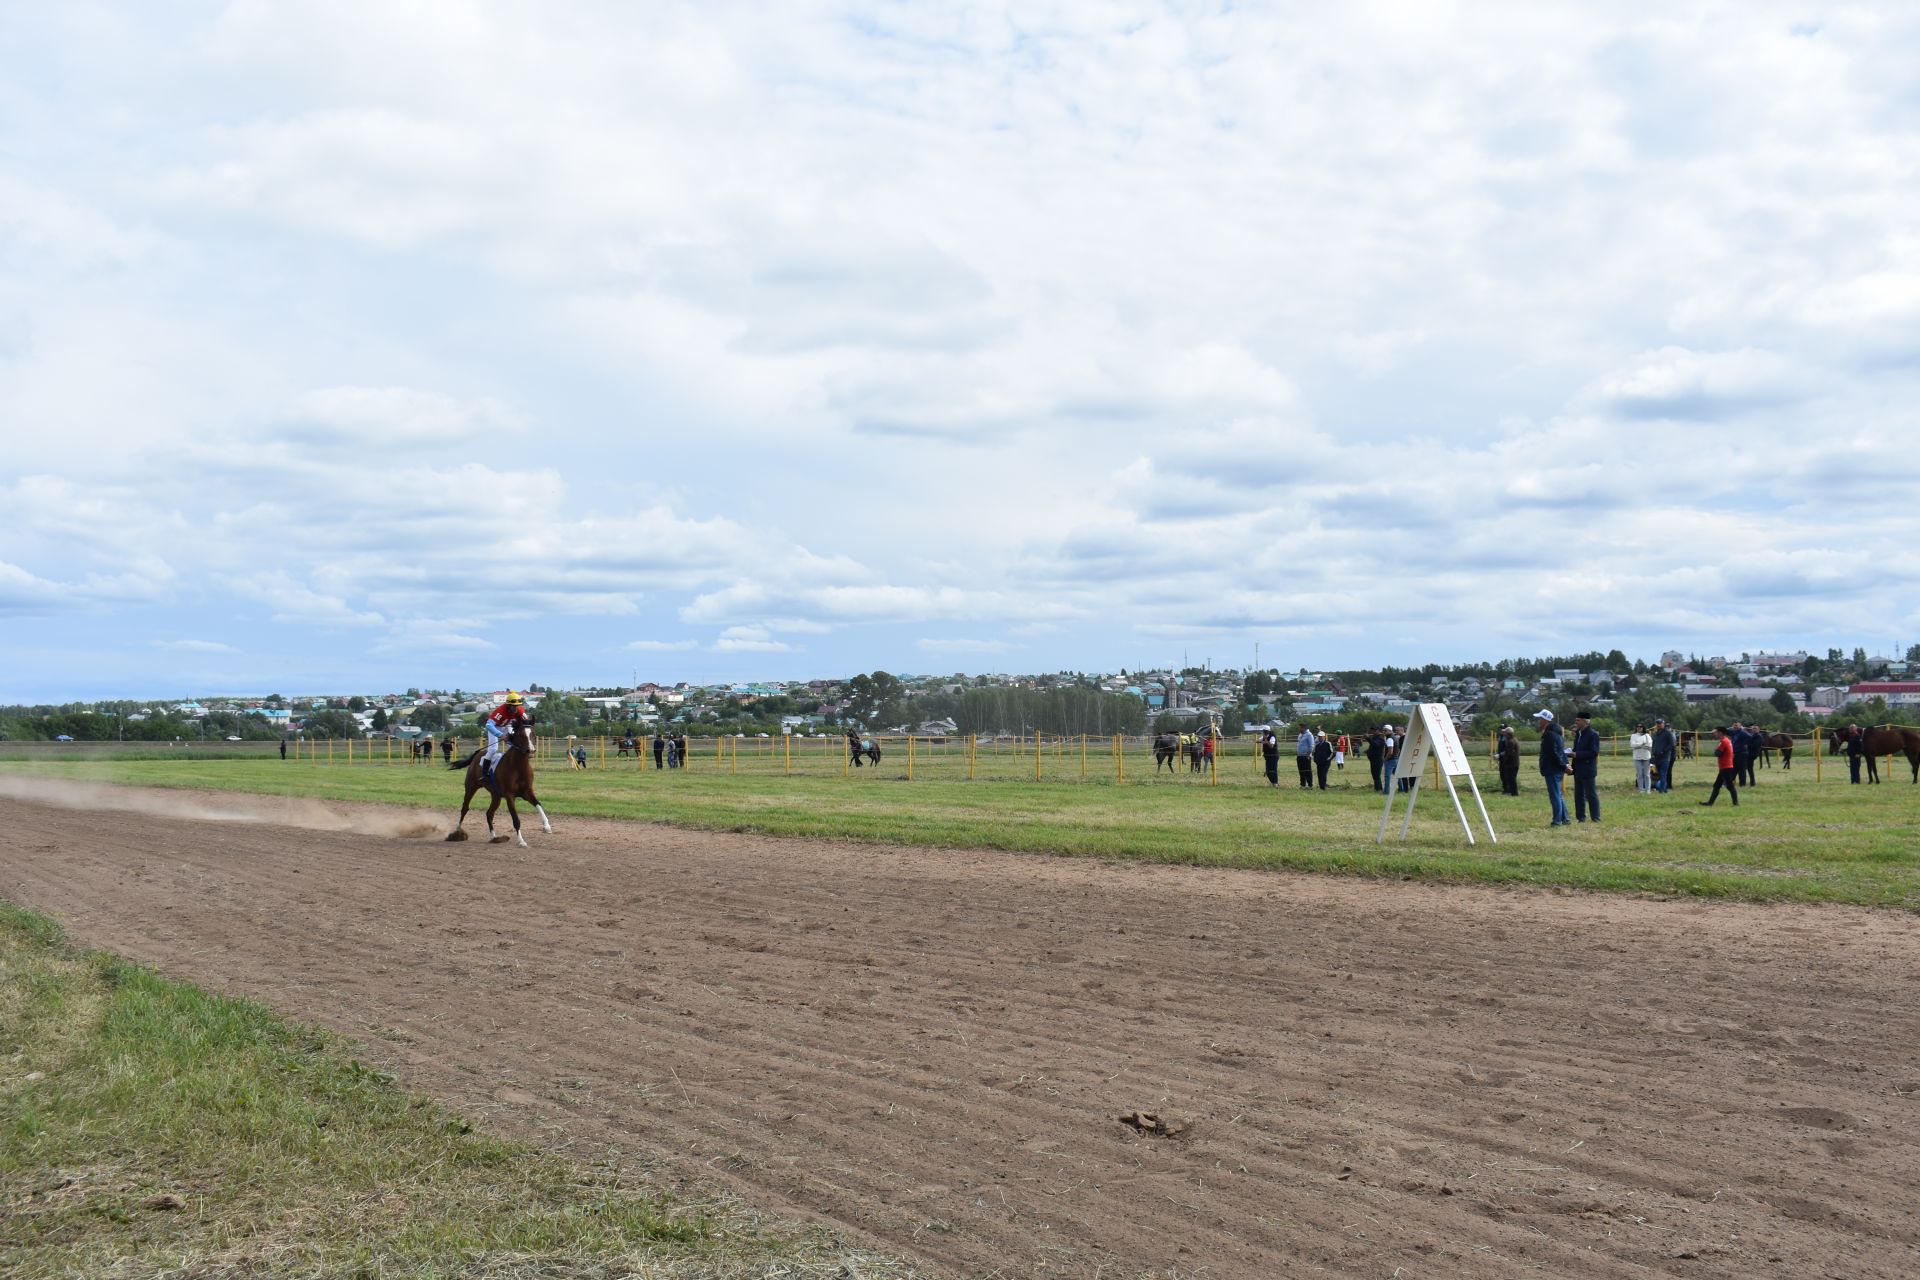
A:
(1642, 744)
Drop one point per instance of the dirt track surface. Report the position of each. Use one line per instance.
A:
(934, 1049)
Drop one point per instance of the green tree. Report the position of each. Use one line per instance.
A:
(334, 722)
(380, 720)
(430, 716)
(1783, 702)
(356, 703)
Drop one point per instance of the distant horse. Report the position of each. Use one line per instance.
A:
(1166, 749)
(860, 750)
(628, 747)
(1781, 742)
(1688, 737)
(512, 780)
(1890, 740)
(423, 749)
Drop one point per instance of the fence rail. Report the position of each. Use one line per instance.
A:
(1115, 759)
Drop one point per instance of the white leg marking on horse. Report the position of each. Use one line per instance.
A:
(541, 810)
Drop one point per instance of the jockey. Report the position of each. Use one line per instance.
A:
(500, 723)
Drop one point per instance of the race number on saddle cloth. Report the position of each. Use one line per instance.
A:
(500, 724)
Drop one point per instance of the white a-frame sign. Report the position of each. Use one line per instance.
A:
(1431, 733)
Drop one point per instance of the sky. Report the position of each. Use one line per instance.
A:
(361, 346)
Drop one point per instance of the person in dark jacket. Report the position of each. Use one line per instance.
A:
(1376, 756)
(659, 750)
(1742, 752)
(1506, 752)
(1663, 747)
(1856, 748)
(1270, 754)
(1322, 757)
(1303, 756)
(1553, 766)
(1724, 756)
(1586, 768)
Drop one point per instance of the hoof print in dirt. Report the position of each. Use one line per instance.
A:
(1152, 1125)
(167, 1202)
(456, 835)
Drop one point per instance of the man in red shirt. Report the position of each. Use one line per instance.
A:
(1723, 757)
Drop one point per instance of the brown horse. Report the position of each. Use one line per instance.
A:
(1781, 742)
(512, 780)
(1886, 740)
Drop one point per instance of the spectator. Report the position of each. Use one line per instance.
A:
(1586, 768)
(680, 748)
(1303, 756)
(1340, 748)
(1663, 751)
(1506, 751)
(1642, 744)
(1376, 757)
(1724, 756)
(1553, 766)
(1856, 749)
(1270, 754)
(1391, 763)
(283, 748)
(659, 750)
(1742, 751)
(1206, 750)
(1322, 757)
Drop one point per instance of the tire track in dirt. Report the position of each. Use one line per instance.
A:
(934, 1048)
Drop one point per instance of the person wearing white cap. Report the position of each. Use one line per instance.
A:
(1553, 765)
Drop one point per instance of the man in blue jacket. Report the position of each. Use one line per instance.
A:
(1553, 765)
(1663, 748)
(1586, 767)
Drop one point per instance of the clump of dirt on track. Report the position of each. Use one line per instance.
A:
(939, 1051)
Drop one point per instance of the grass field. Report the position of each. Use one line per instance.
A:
(1792, 839)
(148, 1128)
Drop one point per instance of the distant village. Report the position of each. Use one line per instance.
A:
(1789, 690)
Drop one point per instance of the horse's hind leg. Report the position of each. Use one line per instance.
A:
(466, 803)
(493, 837)
(513, 811)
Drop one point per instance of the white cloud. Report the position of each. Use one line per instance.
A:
(1099, 328)
(749, 640)
(195, 646)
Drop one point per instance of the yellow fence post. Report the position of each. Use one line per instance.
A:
(1036, 755)
(909, 757)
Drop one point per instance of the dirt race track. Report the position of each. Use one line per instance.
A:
(934, 1050)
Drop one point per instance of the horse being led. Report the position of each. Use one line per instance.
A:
(1886, 740)
(512, 780)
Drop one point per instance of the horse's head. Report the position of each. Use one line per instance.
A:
(522, 739)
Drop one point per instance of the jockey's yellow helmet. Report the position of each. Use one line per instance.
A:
(514, 699)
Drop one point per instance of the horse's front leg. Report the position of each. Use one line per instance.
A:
(513, 811)
(493, 837)
(540, 809)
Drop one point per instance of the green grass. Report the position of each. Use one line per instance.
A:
(148, 1128)
(1794, 839)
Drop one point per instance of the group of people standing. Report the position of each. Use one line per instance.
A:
(1314, 753)
(669, 749)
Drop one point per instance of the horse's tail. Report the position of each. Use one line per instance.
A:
(461, 764)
